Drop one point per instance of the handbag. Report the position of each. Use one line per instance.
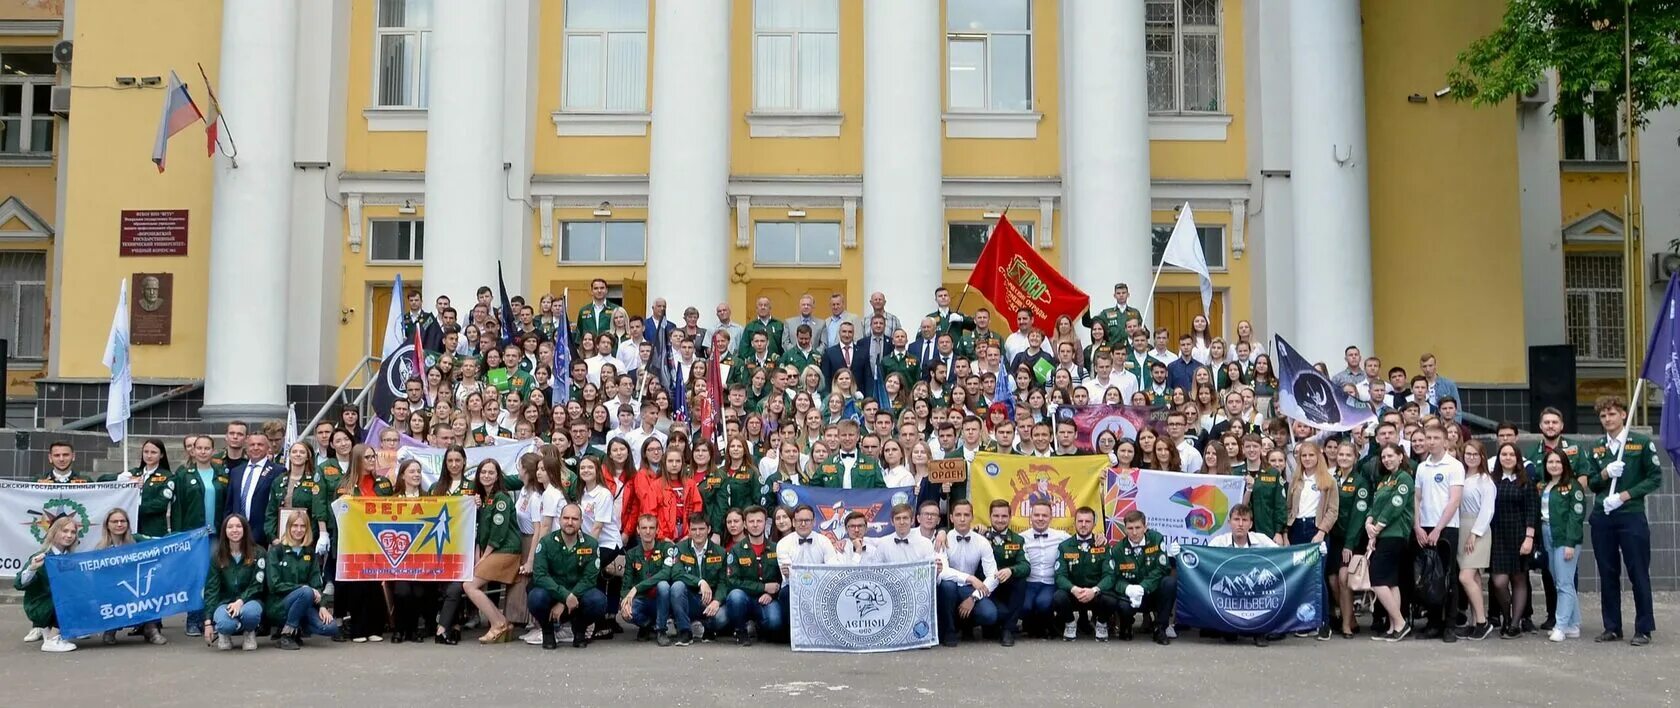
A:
(1359, 573)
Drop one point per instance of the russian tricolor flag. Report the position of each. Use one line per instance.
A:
(179, 111)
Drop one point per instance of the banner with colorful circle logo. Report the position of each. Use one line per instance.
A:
(1187, 508)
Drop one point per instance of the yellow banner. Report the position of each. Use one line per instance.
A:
(1066, 483)
(406, 538)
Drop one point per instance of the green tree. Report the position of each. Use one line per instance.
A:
(1584, 41)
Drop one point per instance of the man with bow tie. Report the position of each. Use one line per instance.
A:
(1041, 546)
(903, 546)
(848, 468)
(969, 578)
(804, 546)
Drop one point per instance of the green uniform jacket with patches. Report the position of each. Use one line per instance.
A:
(566, 570)
(691, 567)
(714, 498)
(157, 501)
(1570, 450)
(1566, 505)
(741, 368)
(866, 473)
(800, 360)
(1084, 563)
(769, 491)
(1641, 474)
(1142, 565)
(589, 321)
(749, 571)
(1267, 500)
(287, 569)
(498, 529)
(1354, 504)
(645, 569)
(37, 593)
(308, 495)
(773, 330)
(903, 364)
(1009, 548)
(1391, 504)
(189, 497)
(238, 581)
(75, 478)
(1114, 321)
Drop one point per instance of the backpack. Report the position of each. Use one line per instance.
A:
(1429, 578)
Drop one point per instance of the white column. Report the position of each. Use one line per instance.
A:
(250, 220)
(1332, 201)
(465, 182)
(313, 330)
(1271, 228)
(688, 180)
(522, 62)
(1105, 165)
(903, 200)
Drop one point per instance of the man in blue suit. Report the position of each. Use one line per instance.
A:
(847, 355)
(657, 329)
(248, 485)
(926, 345)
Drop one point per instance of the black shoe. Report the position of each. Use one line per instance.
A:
(1008, 639)
(1125, 631)
(1404, 631)
(1431, 632)
(548, 640)
(1481, 631)
(341, 637)
(289, 642)
(1528, 626)
(1608, 636)
(1510, 633)
(684, 639)
(398, 637)
(1449, 637)
(950, 642)
(752, 634)
(1260, 640)
(740, 637)
(1640, 640)
(580, 640)
(1549, 624)
(1324, 633)
(1161, 637)
(450, 637)
(644, 634)
(663, 639)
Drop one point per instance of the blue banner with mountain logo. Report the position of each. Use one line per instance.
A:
(1251, 590)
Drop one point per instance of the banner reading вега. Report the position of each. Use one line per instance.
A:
(122, 586)
(1251, 590)
(407, 538)
(27, 510)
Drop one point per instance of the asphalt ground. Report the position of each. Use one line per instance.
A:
(1035, 673)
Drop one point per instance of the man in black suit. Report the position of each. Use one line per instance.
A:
(248, 485)
(847, 355)
(926, 345)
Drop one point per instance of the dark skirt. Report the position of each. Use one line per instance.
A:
(1387, 561)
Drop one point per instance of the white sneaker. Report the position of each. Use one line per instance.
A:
(1070, 632)
(34, 635)
(223, 642)
(533, 637)
(250, 641)
(1172, 633)
(1573, 633)
(57, 645)
(1556, 635)
(697, 629)
(1102, 631)
(563, 633)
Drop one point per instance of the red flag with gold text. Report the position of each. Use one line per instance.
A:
(1013, 276)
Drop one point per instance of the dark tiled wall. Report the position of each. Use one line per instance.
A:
(1497, 404)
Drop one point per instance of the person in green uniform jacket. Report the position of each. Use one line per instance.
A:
(299, 488)
(1114, 318)
(1143, 575)
(157, 497)
(1084, 577)
(1623, 471)
(739, 477)
(292, 586)
(200, 488)
(709, 476)
(1353, 505)
(563, 580)
(1551, 436)
(1389, 526)
(1266, 497)
(647, 582)
(752, 580)
(498, 546)
(1563, 506)
(62, 537)
(757, 357)
(61, 456)
(595, 316)
(1013, 568)
(901, 361)
(772, 328)
(866, 471)
(233, 589)
(696, 581)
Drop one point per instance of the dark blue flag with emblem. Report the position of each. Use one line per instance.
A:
(1251, 590)
(1662, 367)
(1306, 395)
(510, 329)
(562, 357)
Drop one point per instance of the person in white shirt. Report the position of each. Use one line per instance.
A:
(903, 546)
(1242, 524)
(1190, 459)
(1042, 554)
(648, 429)
(1104, 376)
(854, 548)
(1475, 519)
(896, 470)
(1440, 487)
(969, 577)
(804, 546)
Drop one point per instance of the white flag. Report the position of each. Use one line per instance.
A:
(291, 426)
(1184, 249)
(394, 321)
(122, 378)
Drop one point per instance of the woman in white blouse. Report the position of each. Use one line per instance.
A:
(897, 468)
(538, 510)
(1475, 517)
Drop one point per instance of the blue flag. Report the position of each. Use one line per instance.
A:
(1251, 590)
(832, 506)
(562, 359)
(1662, 367)
(123, 586)
(679, 388)
(1308, 396)
(510, 330)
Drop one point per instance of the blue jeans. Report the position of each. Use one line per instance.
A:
(1568, 614)
(1008, 598)
(1623, 538)
(685, 604)
(743, 608)
(591, 606)
(1035, 607)
(651, 613)
(250, 615)
(301, 615)
(952, 594)
(195, 619)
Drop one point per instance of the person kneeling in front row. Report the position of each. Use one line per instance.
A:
(233, 589)
(647, 582)
(1142, 578)
(564, 572)
(293, 582)
(752, 580)
(1084, 578)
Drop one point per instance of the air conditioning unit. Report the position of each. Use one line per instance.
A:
(63, 51)
(1663, 267)
(59, 103)
(1536, 95)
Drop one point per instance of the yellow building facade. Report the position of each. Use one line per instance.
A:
(778, 103)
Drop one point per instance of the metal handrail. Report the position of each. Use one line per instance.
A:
(136, 407)
(338, 394)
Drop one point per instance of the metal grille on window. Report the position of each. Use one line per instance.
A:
(23, 303)
(1593, 305)
(1182, 55)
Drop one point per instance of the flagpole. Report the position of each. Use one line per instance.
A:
(1150, 303)
(210, 93)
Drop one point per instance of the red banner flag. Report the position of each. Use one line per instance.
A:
(1013, 276)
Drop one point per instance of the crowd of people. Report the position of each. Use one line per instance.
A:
(652, 501)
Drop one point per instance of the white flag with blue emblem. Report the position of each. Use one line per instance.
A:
(122, 377)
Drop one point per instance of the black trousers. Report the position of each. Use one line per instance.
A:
(1160, 604)
(610, 585)
(1101, 605)
(413, 603)
(449, 607)
(363, 603)
(1446, 549)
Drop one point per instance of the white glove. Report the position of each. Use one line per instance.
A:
(1323, 547)
(1172, 548)
(1612, 503)
(1614, 469)
(321, 544)
(1134, 595)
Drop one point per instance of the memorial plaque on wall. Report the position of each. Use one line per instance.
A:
(151, 313)
(152, 232)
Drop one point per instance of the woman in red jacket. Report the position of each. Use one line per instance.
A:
(643, 489)
(679, 496)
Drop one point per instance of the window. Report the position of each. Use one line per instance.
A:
(796, 243)
(1182, 40)
(988, 46)
(1595, 135)
(796, 56)
(1592, 289)
(397, 241)
(405, 29)
(606, 56)
(1213, 244)
(963, 242)
(603, 242)
(26, 125)
(23, 302)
